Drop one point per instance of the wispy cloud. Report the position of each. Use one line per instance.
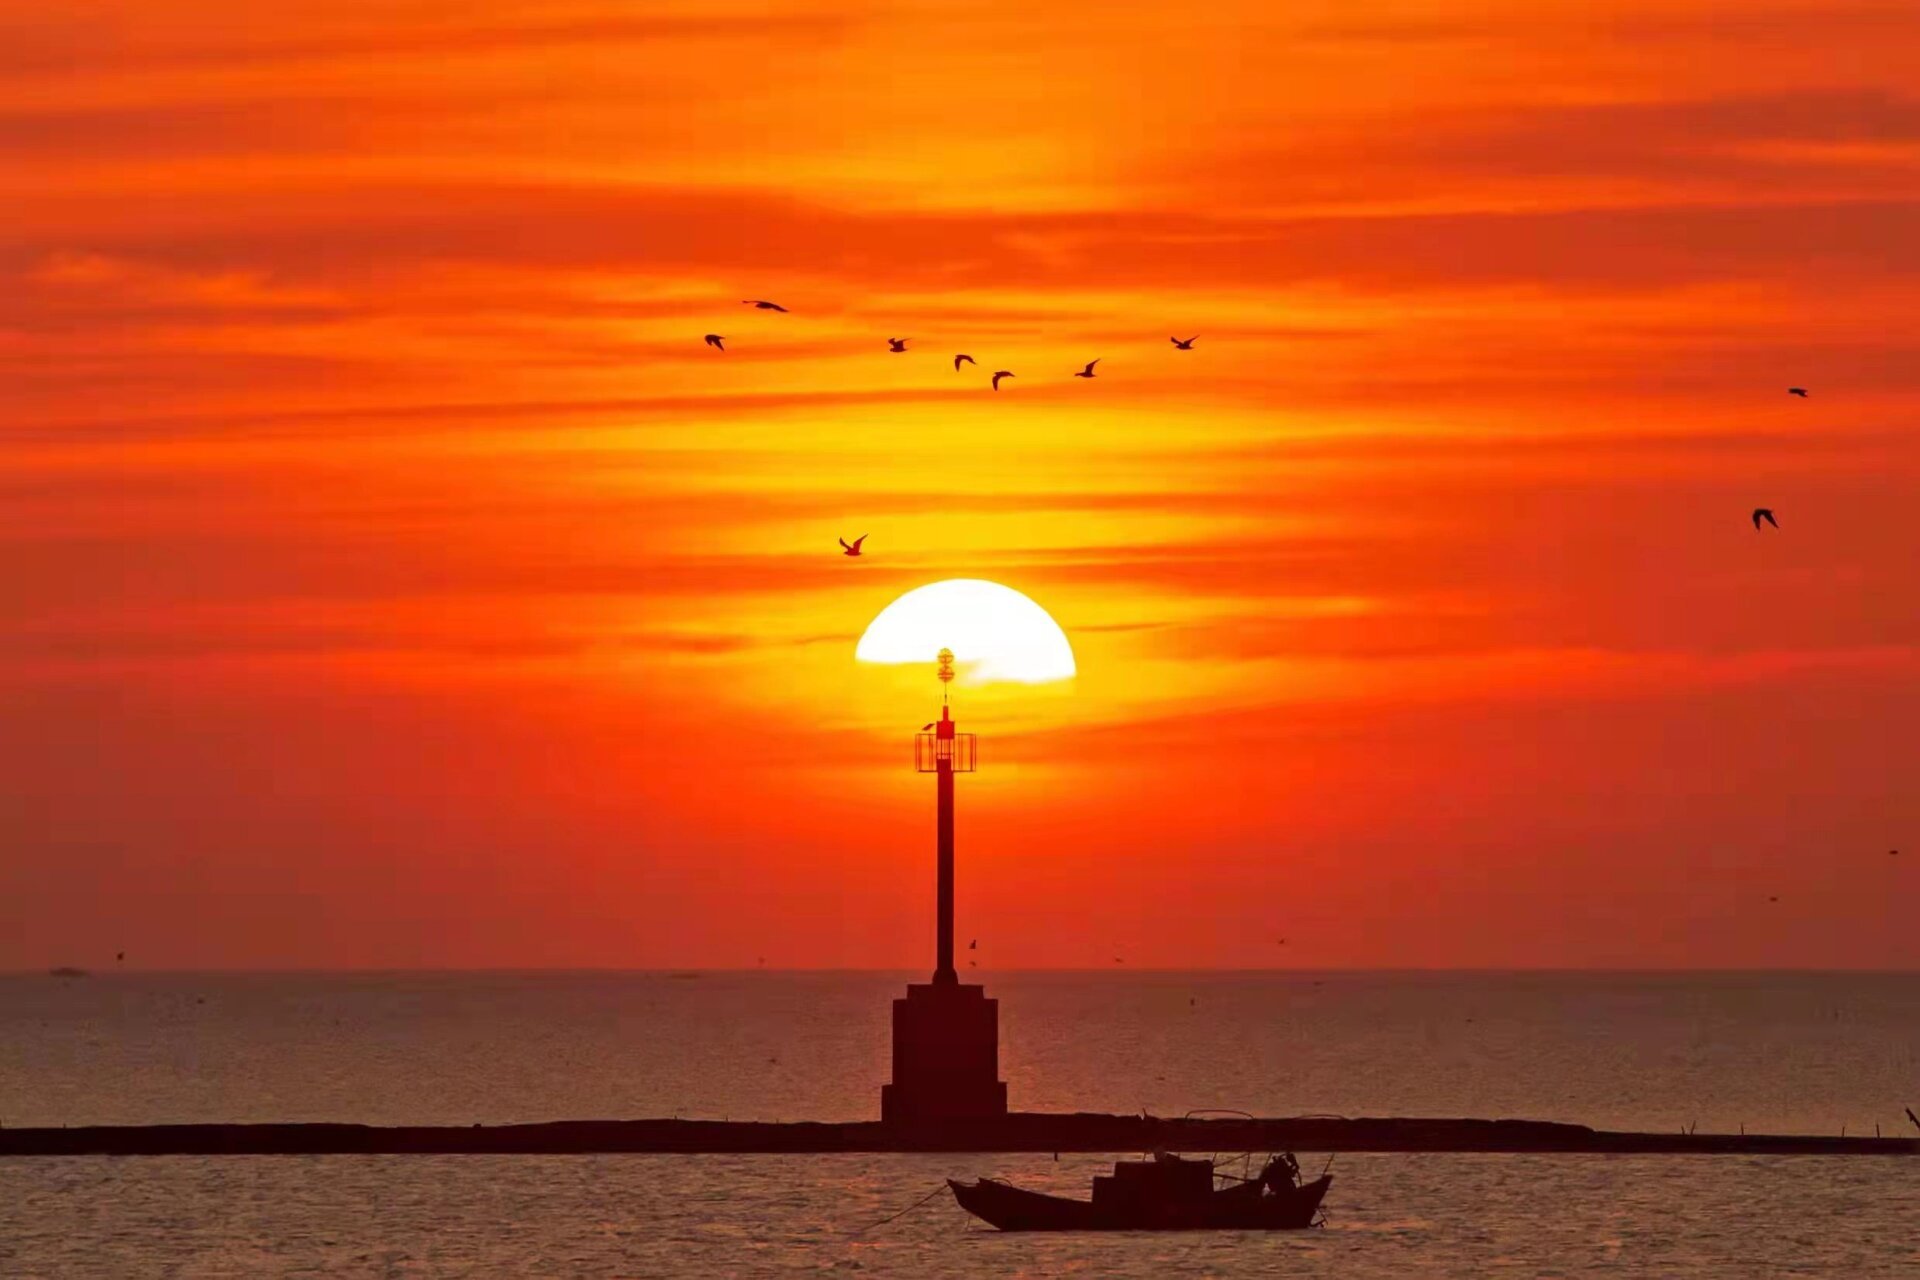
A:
(353, 353)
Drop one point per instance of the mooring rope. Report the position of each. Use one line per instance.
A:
(904, 1212)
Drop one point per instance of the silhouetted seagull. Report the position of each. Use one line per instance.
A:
(1771, 898)
(1088, 371)
(852, 548)
(120, 955)
(960, 360)
(1797, 391)
(715, 340)
(1004, 373)
(897, 345)
(763, 304)
(974, 945)
(1187, 345)
(1764, 513)
(928, 725)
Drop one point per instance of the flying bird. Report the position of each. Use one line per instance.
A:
(1187, 345)
(763, 304)
(960, 360)
(715, 340)
(1004, 373)
(121, 955)
(1764, 513)
(1797, 391)
(897, 345)
(928, 725)
(852, 548)
(1088, 371)
(974, 945)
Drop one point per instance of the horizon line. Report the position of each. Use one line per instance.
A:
(270, 971)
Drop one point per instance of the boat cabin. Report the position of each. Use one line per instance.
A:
(1135, 1185)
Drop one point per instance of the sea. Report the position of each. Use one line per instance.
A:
(1767, 1052)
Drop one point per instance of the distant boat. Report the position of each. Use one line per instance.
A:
(1167, 1193)
(67, 971)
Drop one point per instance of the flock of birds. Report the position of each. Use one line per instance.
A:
(898, 347)
(1762, 516)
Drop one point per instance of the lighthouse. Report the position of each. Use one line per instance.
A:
(946, 1033)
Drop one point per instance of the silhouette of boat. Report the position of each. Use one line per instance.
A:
(1166, 1193)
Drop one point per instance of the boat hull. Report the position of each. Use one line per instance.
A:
(1010, 1208)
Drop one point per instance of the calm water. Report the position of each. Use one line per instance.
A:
(1804, 1053)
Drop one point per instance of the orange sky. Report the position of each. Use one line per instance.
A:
(392, 578)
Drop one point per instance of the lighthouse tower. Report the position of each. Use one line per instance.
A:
(946, 1033)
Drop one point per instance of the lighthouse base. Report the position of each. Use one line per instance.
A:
(946, 1057)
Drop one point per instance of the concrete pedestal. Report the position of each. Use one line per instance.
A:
(946, 1056)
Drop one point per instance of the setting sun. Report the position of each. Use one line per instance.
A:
(998, 633)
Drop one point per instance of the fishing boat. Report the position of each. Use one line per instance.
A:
(1166, 1193)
